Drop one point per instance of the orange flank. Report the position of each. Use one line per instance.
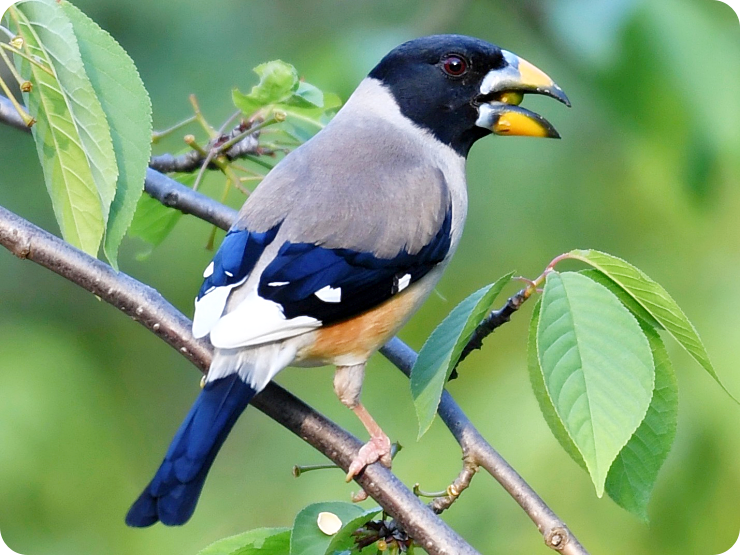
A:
(361, 336)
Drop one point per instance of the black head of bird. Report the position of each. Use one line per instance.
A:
(461, 89)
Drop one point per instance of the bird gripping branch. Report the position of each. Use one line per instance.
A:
(343, 241)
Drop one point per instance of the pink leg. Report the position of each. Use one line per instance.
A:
(377, 449)
(348, 386)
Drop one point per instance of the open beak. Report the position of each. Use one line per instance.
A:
(503, 89)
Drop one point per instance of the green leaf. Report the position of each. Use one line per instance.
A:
(278, 82)
(634, 472)
(307, 538)
(633, 475)
(331, 102)
(304, 121)
(153, 221)
(72, 135)
(301, 128)
(128, 110)
(307, 108)
(343, 540)
(537, 380)
(597, 366)
(262, 541)
(306, 95)
(655, 300)
(628, 301)
(442, 350)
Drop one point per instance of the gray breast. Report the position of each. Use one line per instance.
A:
(363, 183)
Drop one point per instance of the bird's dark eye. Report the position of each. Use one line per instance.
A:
(454, 65)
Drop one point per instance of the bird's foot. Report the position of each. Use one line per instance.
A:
(360, 496)
(377, 449)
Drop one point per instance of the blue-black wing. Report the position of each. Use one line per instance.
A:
(331, 285)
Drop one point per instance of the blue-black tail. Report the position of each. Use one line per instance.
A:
(173, 492)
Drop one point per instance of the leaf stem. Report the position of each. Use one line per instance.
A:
(159, 135)
(192, 143)
(11, 67)
(259, 162)
(248, 177)
(306, 119)
(301, 469)
(533, 286)
(27, 119)
(431, 494)
(26, 57)
(200, 118)
(557, 259)
(16, 16)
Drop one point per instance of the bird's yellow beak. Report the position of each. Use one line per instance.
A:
(502, 90)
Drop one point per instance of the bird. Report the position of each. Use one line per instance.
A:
(342, 242)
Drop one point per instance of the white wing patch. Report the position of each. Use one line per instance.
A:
(256, 321)
(209, 308)
(208, 271)
(329, 294)
(403, 283)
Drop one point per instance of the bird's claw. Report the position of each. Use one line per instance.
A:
(377, 449)
(359, 496)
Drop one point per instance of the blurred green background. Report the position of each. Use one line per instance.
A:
(648, 169)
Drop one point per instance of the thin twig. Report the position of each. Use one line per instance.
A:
(200, 118)
(157, 136)
(248, 144)
(30, 59)
(461, 483)
(494, 320)
(10, 65)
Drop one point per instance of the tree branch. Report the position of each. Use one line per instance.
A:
(152, 310)
(239, 142)
(173, 194)
(149, 308)
(10, 116)
(494, 320)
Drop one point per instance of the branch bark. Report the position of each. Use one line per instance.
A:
(10, 116)
(147, 306)
(176, 195)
